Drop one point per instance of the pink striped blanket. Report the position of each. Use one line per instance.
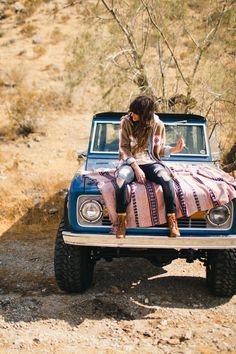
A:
(197, 188)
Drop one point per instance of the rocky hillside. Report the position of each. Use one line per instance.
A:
(61, 61)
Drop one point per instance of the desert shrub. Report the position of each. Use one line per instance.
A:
(28, 30)
(27, 108)
(38, 51)
(53, 100)
(227, 20)
(16, 76)
(30, 6)
(76, 65)
(173, 9)
(23, 111)
(196, 5)
(56, 36)
(12, 78)
(64, 18)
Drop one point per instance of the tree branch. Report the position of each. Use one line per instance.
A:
(161, 68)
(230, 167)
(124, 28)
(140, 78)
(117, 55)
(165, 40)
(70, 4)
(193, 39)
(208, 40)
(210, 107)
(217, 99)
(145, 37)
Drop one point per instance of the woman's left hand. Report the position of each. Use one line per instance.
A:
(180, 145)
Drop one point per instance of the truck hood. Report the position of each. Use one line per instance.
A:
(90, 186)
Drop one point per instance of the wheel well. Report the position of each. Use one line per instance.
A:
(66, 212)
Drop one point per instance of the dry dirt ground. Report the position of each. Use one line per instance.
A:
(132, 306)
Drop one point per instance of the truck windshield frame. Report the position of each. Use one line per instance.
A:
(100, 128)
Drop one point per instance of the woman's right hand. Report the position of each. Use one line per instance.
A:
(139, 174)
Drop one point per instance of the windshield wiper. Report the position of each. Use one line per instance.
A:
(179, 122)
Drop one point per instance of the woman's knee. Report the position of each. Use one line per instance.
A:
(164, 176)
(124, 175)
(166, 182)
(120, 181)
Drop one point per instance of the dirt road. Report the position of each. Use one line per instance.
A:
(132, 307)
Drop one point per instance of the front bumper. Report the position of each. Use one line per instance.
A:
(133, 241)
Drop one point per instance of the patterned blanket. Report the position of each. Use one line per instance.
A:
(197, 188)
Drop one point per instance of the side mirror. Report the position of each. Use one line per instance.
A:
(81, 155)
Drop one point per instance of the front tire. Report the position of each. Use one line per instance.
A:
(221, 272)
(73, 265)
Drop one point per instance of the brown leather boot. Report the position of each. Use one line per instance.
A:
(121, 225)
(173, 225)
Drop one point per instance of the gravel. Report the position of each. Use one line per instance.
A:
(145, 309)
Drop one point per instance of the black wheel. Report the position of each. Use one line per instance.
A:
(73, 265)
(221, 272)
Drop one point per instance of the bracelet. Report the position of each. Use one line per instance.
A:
(167, 151)
(130, 160)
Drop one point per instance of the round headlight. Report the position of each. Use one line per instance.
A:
(219, 215)
(91, 210)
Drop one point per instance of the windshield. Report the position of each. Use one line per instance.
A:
(106, 137)
(193, 136)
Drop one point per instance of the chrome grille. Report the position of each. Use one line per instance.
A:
(106, 221)
(189, 223)
(182, 222)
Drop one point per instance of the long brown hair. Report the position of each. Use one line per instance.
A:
(143, 106)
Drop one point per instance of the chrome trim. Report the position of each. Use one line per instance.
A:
(95, 197)
(176, 154)
(227, 220)
(100, 210)
(93, 137)
(99, 197)
(132, 241)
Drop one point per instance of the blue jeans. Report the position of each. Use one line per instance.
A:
(155, 173)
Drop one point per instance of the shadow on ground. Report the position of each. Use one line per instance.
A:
(125, 289)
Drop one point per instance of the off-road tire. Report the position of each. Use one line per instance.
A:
(73, 265)
(221, 272)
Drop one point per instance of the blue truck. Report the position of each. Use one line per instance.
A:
(84, 235)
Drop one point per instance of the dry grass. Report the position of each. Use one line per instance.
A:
(64, 18)
(17, 76)
(76, 65)
(56, 36)
(36, 197)
(28, 30)
(196, 5)
(30, 7)
(12, 78)
(39, 51)
(173, 9)
(27, 108)
(2, 82)
(23, 111)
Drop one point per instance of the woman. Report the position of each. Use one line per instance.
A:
(139, 130)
